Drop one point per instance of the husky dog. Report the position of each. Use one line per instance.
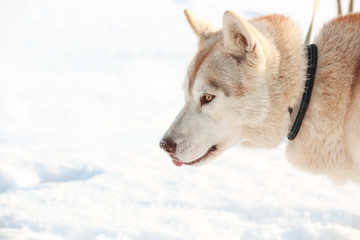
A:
(246, 77)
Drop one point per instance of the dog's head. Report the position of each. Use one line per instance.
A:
(227, 89)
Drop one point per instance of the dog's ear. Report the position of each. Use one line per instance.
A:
(241, 39)
(202, 28)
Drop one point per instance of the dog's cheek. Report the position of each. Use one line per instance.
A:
(252, 108)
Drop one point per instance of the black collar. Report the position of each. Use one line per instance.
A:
(311, 70)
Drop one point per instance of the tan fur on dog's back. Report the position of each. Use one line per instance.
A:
(329, 139)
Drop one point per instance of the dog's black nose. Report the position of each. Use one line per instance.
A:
(168, 145)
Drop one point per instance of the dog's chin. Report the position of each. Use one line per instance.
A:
(210, 154)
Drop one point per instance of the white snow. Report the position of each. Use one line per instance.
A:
(87, 88)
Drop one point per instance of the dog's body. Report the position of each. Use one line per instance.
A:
(245, 77)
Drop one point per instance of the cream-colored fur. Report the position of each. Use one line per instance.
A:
(255, 70)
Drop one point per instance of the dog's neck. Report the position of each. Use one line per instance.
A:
(292, 55)
(286, 86)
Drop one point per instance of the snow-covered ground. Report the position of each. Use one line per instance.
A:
(87, 89)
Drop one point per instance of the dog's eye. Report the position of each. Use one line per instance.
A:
(206, 98)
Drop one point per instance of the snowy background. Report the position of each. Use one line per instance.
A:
(87, 88)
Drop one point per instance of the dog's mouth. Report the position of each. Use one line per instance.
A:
(209, 152)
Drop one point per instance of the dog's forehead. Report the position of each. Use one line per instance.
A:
(212, 69)
(206, 49)
(196, 64)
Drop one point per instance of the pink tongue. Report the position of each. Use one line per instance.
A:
(178, 164)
